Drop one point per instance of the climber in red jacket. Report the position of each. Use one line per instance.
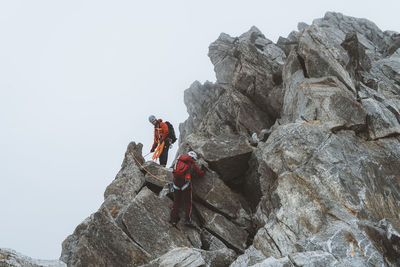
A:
(160, 136)
(183, 170)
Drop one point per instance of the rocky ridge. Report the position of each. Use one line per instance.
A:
(301, 143)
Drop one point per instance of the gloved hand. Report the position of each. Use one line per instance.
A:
(152, 150)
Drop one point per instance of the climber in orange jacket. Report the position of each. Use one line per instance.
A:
(183, 171)
(160, 135)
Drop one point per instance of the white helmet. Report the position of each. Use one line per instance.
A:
(152, 118)
(193, 154)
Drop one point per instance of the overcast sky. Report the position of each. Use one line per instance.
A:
(78, 80)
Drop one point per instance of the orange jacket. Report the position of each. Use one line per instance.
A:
(160, 132)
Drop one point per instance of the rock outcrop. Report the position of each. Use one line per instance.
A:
(300, 141)
(11, 258)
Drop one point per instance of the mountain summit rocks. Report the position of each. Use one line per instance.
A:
(301, 145)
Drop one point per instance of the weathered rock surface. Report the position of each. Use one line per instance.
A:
(232, 235)
(301, 145)
(192, 257)
(225, 154)
(160, 172)
(250, 257)
(146, 221)
(128, 181)
(11, 258)
(99, 241)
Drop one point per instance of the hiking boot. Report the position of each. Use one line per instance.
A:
(173, 223)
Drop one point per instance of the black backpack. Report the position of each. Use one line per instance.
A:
(171, 134)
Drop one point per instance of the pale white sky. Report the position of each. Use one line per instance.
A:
(78, 80)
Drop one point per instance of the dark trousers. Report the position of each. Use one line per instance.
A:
(164, 154)
(187, 200)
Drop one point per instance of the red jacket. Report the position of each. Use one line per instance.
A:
(160, 132)
(193, 168)
(189, 160)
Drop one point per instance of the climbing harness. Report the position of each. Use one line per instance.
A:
(186, 185)
(152, 175)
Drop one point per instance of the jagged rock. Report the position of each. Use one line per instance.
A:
(227, 155)
(146, 221)
(250, 257)
(232, 235)
(302, 26)
(160, 172)
(210, 242)
(370, 35)
(313, 191)
(252, 65)
(11, 258)
(358, 61)
(326, 100)
(393, 44)
(322, 56)
(385, 234)
(128, 181)
(212, 192)
(275, 239)
(381, 121)
(98, 241)
(288, 44)
(214, 111)
(192, 257)
(258, 179)
(385, 74)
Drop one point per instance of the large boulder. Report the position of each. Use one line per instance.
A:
(232, 235)
(212, 192)
(146, 221)
(157, 174)
(324, 99)
(225, 154)
(216, 111)
(99, 241)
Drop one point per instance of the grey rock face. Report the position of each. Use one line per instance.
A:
(146, 220)
(157, 171)
(250, 257)
(98, 241)
(128, 181)
(250, 64)
(326, 100)
(227, 155)
(11, 258)
(212, 191)
(233, 236)
(192, 257)
(300, 141)
(215, 111)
